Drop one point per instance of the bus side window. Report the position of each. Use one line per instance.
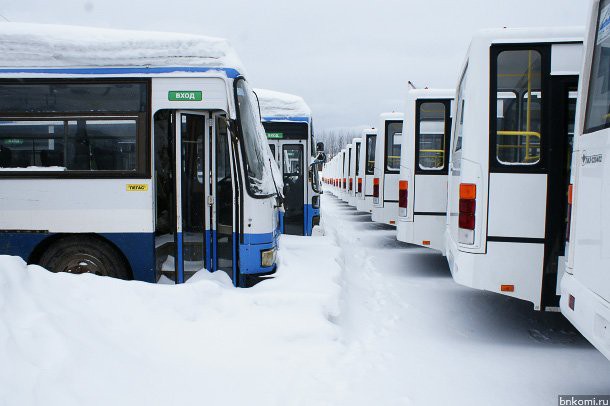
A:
(598, 101)
(519, 103)
(459, 122)
(102, 126)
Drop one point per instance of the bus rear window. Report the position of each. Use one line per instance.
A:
(358, 158)
(519, 105)
(371, 139)
(431, 136)
(598, 101)
(393, 143)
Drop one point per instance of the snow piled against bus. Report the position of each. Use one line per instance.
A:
(81, 339)
(352, 318)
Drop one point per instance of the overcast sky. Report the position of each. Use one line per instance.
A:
(349, 59)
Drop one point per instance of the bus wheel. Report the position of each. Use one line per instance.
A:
(78, 254)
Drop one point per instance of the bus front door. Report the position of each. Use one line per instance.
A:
(225, 208)
(294, 174)
(193, 245)
(195, 195)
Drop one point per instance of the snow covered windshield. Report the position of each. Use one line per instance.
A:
(256, 149)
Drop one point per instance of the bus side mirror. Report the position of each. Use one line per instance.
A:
(320, 147)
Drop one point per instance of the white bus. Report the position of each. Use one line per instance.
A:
(508, 171)
(585, 286)
(347, 160)
(424, 159)
(287, 121)
(132, 155)
(387, 168)
(366, 171)
(353, 171)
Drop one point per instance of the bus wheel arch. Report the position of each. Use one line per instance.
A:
(77, 251)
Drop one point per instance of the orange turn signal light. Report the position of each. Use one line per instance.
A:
(570, 194)
(403, 185)
(507, 288)
(468, 191)
(425, 242)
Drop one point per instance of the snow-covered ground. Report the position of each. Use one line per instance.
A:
(352, 318)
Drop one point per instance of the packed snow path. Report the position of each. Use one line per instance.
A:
(352, 318)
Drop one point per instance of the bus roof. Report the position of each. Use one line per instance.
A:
(391, 116)
(417, 94)
(530, 35)
(277, 106)
(44, 48)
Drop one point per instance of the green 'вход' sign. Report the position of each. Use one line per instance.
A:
(185, 95)
(275, 136)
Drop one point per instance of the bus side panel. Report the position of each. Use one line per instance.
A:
(430, 193)
(505, 264)
(76, 205)
(591, 227)
(260, 233)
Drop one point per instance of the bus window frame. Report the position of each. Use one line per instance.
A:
(387, 124)
(366, 157)
(448, 123)
(143, 134)
(544, 49)
(589, 77)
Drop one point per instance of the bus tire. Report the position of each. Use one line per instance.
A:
(84, 254)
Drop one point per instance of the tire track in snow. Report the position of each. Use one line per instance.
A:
(368, 302)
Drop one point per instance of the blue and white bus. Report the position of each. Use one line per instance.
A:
(133, 155)
(287, 121)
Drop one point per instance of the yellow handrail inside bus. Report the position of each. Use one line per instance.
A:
(528, 135)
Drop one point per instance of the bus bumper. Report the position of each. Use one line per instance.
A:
(590, 313)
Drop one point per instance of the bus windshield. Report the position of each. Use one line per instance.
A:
(255, 146)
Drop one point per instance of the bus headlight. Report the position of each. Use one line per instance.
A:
(268, 257)
(315, 202)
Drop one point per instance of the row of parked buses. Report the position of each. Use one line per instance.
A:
(508, 175)
(142, 155)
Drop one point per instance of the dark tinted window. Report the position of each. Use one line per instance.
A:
(65, 97)
(97, 144)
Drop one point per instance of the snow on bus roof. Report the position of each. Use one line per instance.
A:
(281, 106)
(58, 46)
